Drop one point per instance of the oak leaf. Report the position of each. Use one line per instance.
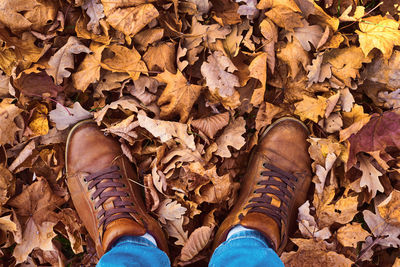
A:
(111, 81)
(308, 34)
(175, 229)
(392, 99)
(144, 89)
(178, 97)
(232, 136)
(258, 70)
(95, 11)
(64, 117)
(311, 9)
(64, 59)
(124, 129)
(350, 234)
(317, 71)
(211, 125)
(379, 32)
(129, 16)
(179, 155)
(166, 130)
(7, 186)
(387, 234)
(308, 226)
(380, 132)
(217, 71)
(266, 113)
(170, 210)
(8, 127)
(11, 13)
(370, 176)
(311, 108)
(285, 14)
(197, 241)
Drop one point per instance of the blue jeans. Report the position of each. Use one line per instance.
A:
(246, 248)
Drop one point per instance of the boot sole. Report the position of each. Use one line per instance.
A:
(69, 137)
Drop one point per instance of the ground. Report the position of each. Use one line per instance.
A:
(186, 87)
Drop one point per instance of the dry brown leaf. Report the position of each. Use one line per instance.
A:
(219, 78)
(95, 11)
(266, 114)
(178, 97)
(308, 34)
(36, 204)
(7, 186)
(8, 127)
(389, 208)
(258, 70)
(89, 70)
(342, 211)
(128, 103)
(311, 108)
(315, 254)
(111, 81)
(64, 59)
(165, 130)
(124, 129)
(175, 229)
(232, 136)
(211, 125)
(22, 156)
(308, 226)
(123, 59)
(293, 54)
(387, 234)
(285, 14)
(350, 234)
(197, 241)
(129, 16)
(370, 176)
(354, 121)
(64, 117)
(170, 210)
(139, 90)
(161, 57)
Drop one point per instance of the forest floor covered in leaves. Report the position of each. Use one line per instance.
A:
(186, 87)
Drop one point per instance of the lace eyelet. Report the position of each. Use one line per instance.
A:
(124, 185)
(91, 198)
(120, 176)
(84, 179)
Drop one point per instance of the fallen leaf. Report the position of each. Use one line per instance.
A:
(219, 78)
(311, 108)
(175, 229)
(342, 211)
(378, 32)
(170, 210)
(392, 100)
(95, 11)
(232, 136)
(308, 34)
(161, 57)
(178, 97)
(11, 14)
(8, 112)
(64, 117)
(124, 129)
(355, 120)
(318, 72)
(128, 103)
(389, 208)
(136, 15)
(350, 234)
(7, 186)
(285, 14)
(36, 203)
(36, 84)
(295, 56)
(166, 130)
(197, 241)
(211, 125)
(387, 234)
(89, 70)
(64, 59)
(308, 226)
(111, 81)
(312, 253)
(39, 123)
(370, 176)
(139, 90)
(380, 132)
(266, 113)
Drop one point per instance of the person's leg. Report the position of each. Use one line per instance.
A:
(245, 247)
(134, 251)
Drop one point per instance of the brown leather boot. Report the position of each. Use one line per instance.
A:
(98, 179)
(276, 184)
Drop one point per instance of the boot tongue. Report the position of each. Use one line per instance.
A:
(119, 228)
(264, 224)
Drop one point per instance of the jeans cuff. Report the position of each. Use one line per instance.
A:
(137, 240)
(250, 233)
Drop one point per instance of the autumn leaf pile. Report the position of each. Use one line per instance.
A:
(186, 87)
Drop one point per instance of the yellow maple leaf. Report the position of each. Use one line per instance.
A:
(311, 108)
(379, 32)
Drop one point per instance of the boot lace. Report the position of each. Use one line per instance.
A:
(107, 183)
(277, 188)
